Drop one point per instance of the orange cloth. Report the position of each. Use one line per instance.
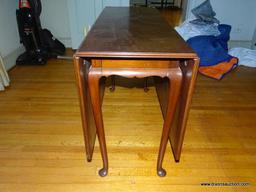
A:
(220, 70)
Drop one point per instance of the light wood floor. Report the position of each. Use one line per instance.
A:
(41, 143)
(172, 15)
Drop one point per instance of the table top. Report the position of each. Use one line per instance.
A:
(133, 32)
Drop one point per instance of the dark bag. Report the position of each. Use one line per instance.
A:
(53, 45)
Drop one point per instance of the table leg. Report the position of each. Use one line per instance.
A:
(189, 69)
(175, 81)
(89, 129)
(162, 4)
(113, 84)
(146, 89)
(94, 86)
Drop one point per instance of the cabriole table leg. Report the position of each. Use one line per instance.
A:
(175, 81)
(94, 86)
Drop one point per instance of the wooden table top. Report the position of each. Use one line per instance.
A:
(133, 32)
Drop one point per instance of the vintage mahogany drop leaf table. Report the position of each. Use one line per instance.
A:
(135, 42)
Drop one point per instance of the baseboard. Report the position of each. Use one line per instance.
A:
(245, 44)
(10, 59)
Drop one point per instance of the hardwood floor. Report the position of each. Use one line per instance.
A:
(41, 142)
(172, 15)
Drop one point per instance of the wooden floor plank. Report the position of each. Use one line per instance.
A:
(41, 142)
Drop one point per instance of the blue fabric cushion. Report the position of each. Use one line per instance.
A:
(224, 35)
(210, 49)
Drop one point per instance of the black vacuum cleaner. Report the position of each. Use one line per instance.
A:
(40, 44)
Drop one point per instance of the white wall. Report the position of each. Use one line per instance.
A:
(9, 37)
(83, 13)
(55, 18)
(240, 14)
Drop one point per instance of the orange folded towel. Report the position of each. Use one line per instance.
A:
(220, 70)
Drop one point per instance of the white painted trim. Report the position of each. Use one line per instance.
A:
(191, 4)
(10, 59)
(234, 43)
(72, 18)
(4, 78)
